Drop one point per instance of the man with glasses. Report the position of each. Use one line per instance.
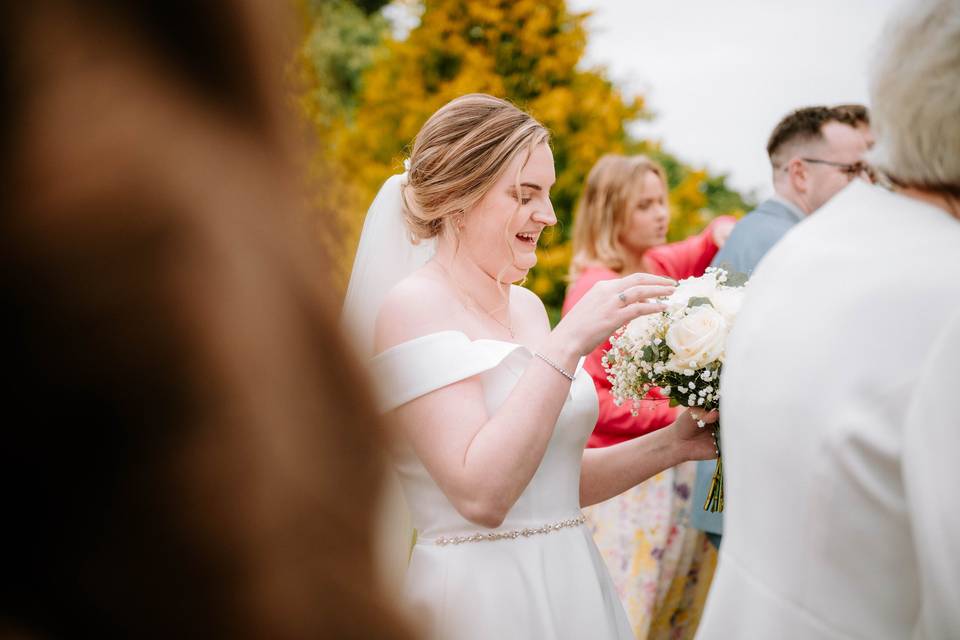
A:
(814, 152)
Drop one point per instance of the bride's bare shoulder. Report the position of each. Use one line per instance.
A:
(419, 304)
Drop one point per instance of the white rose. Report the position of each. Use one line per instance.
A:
(728, 301)
(641, 329)
(699, 338)
(703, 287)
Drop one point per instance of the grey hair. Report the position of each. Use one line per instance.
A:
(915, 96)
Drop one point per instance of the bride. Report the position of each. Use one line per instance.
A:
(493, 408)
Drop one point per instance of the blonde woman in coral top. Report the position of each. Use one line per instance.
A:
(660, 566)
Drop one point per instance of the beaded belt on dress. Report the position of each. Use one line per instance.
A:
(512, 535)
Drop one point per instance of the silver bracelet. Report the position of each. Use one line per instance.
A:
(566, 374)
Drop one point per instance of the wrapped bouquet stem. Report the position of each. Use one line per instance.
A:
(680, 351)
(714, 500)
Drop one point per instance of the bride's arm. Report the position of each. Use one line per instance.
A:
(484, 462)
(609, 471)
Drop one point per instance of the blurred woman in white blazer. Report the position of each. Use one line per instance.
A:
(839, 410)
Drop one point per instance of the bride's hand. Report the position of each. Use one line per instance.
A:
(609, 305)
(693, 441)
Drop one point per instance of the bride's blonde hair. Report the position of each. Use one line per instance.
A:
(602, 214)
(459, 154)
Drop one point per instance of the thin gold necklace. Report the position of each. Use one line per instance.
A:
(507, 326)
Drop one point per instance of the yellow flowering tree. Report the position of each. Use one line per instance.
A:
(529, 52)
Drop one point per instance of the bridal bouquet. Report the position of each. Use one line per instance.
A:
(680, 351)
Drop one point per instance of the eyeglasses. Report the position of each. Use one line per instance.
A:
(850, 170)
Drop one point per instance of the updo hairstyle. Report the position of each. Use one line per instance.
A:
(459, 154)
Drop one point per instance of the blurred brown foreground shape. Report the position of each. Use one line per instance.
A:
(187, 450)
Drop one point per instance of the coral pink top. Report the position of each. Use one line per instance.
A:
(677, 260)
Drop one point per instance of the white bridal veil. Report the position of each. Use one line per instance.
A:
(385, 256)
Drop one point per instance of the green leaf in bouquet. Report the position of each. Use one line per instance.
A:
(648, 355)
(736, 279)
(674, 402)
(697, 301)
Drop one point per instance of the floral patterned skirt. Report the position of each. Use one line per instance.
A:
(661, 566)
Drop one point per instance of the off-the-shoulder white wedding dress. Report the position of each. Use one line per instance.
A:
(538, 575)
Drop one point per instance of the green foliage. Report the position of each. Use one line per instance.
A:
(339, 45)
(368, 6)
(337, 49)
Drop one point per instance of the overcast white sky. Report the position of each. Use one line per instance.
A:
(720, 74)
